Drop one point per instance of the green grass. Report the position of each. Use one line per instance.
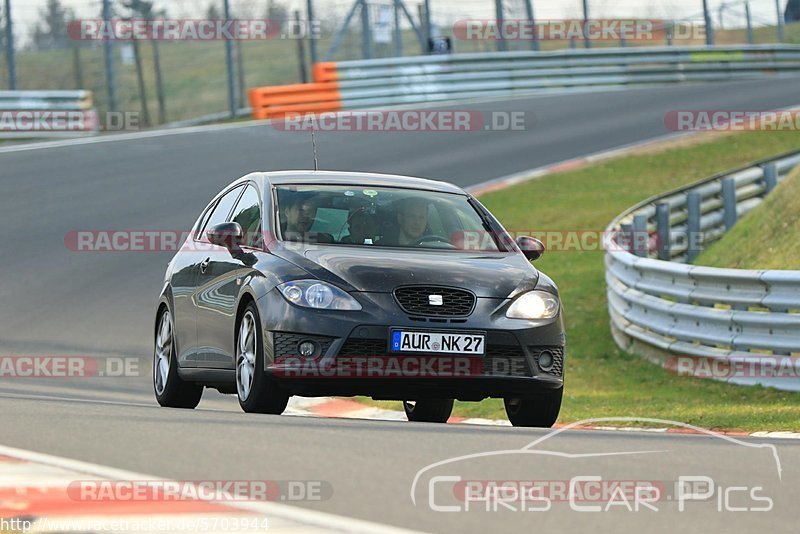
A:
(601, 380)
(765, 238)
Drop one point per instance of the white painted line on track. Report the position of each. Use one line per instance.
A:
(311, 518)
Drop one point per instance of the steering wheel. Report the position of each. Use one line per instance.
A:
(433, 238)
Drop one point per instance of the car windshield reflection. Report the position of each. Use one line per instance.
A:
(383, 217)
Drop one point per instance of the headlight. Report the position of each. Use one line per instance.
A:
(534, 305)
(318, 295)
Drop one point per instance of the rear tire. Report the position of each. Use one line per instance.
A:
(171, 391)
(540, 411)
(429, 410)
(257, 392)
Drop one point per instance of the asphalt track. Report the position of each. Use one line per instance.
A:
(55, 301)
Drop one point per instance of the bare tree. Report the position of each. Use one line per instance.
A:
(277, 12)
(51, 31)
(213, 13)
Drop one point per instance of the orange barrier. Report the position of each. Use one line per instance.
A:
(325, 72)
(320, 96)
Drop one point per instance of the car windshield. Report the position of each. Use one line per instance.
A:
(382, 217)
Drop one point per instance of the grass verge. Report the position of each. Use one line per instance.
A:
(601, 380)
(765, 238)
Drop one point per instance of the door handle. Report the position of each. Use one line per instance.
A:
(204, 265)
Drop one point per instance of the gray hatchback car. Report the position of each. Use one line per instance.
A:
(326, 283)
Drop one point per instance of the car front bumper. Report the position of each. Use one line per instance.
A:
(353, 357)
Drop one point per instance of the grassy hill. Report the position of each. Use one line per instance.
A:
(766, 238)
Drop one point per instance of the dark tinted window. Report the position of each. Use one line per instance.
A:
(220, 213)
(383, 216)
(248, 215)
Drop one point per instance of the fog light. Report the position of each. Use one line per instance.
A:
(307, 348)
(546, 360)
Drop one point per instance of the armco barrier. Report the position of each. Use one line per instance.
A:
(737, 325)
(269, 102)
(29, 114)
(420, 79)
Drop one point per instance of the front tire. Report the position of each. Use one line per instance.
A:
(429, 410)
(257, 392)
(540, 411)
(171, 391)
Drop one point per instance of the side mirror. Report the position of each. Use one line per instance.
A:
(532, 248)
(228, 235)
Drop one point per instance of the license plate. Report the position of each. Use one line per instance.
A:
(438, 342)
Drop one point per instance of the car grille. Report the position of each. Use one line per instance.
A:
(414, 300)
(355, 348)
(558, 359)
(285, 344)
(505, 360)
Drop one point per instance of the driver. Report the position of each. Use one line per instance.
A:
(299, 216)
(412, 218)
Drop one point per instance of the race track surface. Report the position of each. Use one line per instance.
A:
(56, 301)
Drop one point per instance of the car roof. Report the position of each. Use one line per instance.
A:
(359, 178)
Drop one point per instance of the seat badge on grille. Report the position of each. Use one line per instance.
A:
(435, 300)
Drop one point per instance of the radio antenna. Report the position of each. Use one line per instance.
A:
(314, 145)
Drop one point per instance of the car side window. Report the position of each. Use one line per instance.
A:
(248, 214)
(221, 211)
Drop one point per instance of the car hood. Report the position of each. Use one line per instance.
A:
(382, 270)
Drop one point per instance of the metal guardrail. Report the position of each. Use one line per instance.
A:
(408, 80)
(31, 114)
(738, 325)
(420, 79)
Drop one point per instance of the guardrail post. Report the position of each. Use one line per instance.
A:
(108, 48)
(641, 239)
(694, 242)
(229, 63)
(770, 177)
(11, 59)
(709, 25)
(626, 234)
(428, 27)
(312, 39)
(662, 227)
(729, 202)
(301, 51)
(366, 31)
(502, 46)
(532, 19)
(586, 42)
(398, 31)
